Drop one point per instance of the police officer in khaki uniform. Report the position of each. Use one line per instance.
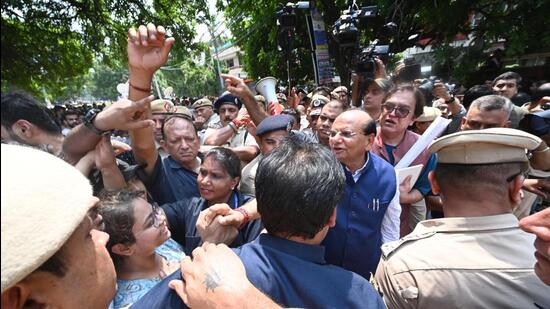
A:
(475, 257)
(161, 110)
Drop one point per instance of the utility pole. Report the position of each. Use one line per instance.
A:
(213, 39)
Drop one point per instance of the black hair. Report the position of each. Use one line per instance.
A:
(520, 98)
(477, 179)
(227, 158)
(370, 127)
(418, 97)
(70, 112)
(475, 92)
(18, 105)
(117, 210)
(508, 75)
(298, 185)
(542, 91)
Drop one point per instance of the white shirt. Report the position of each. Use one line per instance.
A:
(391, 221)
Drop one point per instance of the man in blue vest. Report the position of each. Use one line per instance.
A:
(288, 262)
(368, 214)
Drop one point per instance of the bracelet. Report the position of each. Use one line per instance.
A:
(245, 214)
(233, 126)
(237, 123)
(148, 90)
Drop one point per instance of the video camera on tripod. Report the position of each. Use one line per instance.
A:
(347, 32)
(286, 22)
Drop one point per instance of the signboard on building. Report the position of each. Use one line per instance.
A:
(324, 68)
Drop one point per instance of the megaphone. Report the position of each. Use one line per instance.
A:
(123, 89)
(168, 92)
(266, 87)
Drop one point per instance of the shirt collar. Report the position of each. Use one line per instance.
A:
(359, 171)
(175, 165)
(311, 253)
(457, 224)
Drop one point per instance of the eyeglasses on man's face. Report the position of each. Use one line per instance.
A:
(344, 134)
(400, 111)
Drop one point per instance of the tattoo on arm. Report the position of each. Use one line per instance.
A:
(212, 280)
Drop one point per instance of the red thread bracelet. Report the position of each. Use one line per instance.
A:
(237, 123)
(140, 89)
(245, 214)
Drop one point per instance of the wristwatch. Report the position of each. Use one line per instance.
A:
(89, 122)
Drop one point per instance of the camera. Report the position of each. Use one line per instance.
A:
(286, 16)
(347, 32)
(286, 22)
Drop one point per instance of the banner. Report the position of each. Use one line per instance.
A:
(325, 70)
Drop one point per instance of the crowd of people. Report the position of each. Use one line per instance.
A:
(236, 202)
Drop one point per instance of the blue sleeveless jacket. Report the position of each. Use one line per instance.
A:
(354, 243)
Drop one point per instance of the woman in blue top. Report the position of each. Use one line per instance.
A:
(140, 245)
(218, 177)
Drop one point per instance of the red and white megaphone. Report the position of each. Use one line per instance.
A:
(266, 87)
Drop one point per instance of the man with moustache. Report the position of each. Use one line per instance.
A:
(232, 132)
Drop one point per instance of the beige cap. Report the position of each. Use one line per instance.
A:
(182, 110)
(44, 199)
(340, 89)
(202, 102)
(161, 106)
(319, 100)
(496, 145)
(429, 114)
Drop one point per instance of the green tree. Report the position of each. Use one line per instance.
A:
(103, 80)
(253, 24)
(45, 43)
(522, 24)
(189, 78)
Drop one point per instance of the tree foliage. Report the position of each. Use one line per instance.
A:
(254, 26)
(190, 79)
(523, 25)
(46, 44)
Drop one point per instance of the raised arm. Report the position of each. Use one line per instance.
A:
(105, 162)
(237, 87)
(148, 50)
(123, 115)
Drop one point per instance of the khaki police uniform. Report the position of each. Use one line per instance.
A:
(477, 262)
(466, 262)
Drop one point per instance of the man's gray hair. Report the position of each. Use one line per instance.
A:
(493, 102)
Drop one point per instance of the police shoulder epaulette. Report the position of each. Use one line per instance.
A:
(390, 247)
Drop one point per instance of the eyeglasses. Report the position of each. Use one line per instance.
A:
(344, 134)
(400, 111)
